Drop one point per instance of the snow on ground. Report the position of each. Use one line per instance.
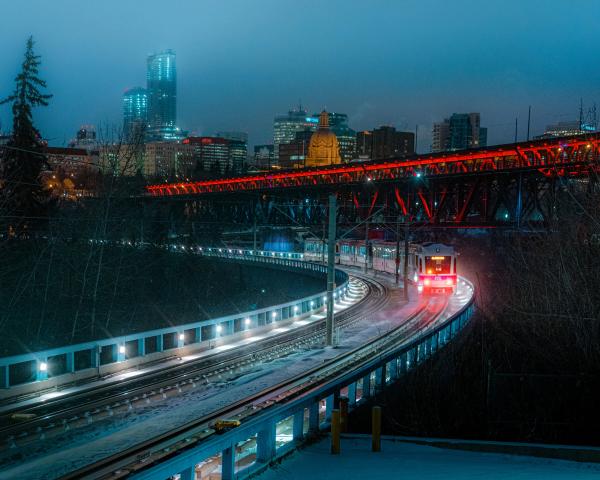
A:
(52, 458)
(411, 461)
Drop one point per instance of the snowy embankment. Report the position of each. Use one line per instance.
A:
(399, 459)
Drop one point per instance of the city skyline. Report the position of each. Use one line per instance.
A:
(241, 81)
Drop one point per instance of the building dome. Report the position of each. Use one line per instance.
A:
(323, 148)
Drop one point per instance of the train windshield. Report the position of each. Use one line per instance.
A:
(437, 265)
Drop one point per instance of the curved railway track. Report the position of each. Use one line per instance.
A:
(55, 416)
(187, 436)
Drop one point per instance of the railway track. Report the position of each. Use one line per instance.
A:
(56, 416)
(187, 436)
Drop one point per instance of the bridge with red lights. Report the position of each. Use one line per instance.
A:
(502, 184)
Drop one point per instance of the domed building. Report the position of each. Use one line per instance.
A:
(323, 148)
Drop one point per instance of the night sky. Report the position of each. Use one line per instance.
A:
(240, 62)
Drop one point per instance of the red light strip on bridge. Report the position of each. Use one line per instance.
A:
(544, 155)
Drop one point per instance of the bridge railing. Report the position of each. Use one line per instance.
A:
(280, 427)
(65, 364)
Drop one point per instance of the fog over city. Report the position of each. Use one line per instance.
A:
(383, 62)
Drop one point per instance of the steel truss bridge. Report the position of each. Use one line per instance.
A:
(504, 185)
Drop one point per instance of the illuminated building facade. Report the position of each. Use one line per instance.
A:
(286, 126)
(135, 113)
(384, 142)
(324, 148)
(162, 97)
(461, 131)
(217, 155)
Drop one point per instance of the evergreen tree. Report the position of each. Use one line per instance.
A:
(22, 161)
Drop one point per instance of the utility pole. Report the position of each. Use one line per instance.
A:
(254, 228)
(323, 244)
(406, 233)
(416, 136)
(398, 250)
(330, 268)
(528, 122)
(367, 245)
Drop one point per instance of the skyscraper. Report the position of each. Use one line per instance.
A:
(162, 96)
(286, 126)
(135, 113)
(459, 132)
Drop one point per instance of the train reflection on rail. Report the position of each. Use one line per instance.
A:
(431, 266)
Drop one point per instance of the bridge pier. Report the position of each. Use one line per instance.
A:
(352, 394)
(265, 443)
(366, 386)
(313, 418)
(228, 463)
(187, 474)
(298, 431)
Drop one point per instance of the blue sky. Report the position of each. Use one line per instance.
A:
(240, 62)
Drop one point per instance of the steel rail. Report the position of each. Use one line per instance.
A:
(116, 465)
(87, 400)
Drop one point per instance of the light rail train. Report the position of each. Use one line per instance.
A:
(431, 266)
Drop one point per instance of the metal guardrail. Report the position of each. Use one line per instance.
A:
(110, 351)
(280, 427)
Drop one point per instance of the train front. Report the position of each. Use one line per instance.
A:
(436, 269)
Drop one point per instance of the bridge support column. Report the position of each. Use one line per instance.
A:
(228, 463)
(366, 386)
(142, 347)
(187, 474)
(393, 370)
(41, 367)
(313, 418)
(95, 357)
(434, 344)
(329, 327)
(380, 375)
(331, 402)
(159, 343)
(118, 353)
(180, 339)
(265, 443)
(298, 431)
(70, 362)
(352, 394)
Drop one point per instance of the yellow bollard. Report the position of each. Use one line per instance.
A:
(343, 414)
(335, 432)
(376, 429)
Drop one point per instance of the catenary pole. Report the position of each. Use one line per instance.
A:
(331, 268)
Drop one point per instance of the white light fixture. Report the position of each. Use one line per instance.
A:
(274, 314)
(43, 367)
(219, 328)
(181, 337)
(296, 308)
(247, 321)
(121, 348)
(312, 303)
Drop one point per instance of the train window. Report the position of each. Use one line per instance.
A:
(438, 264)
